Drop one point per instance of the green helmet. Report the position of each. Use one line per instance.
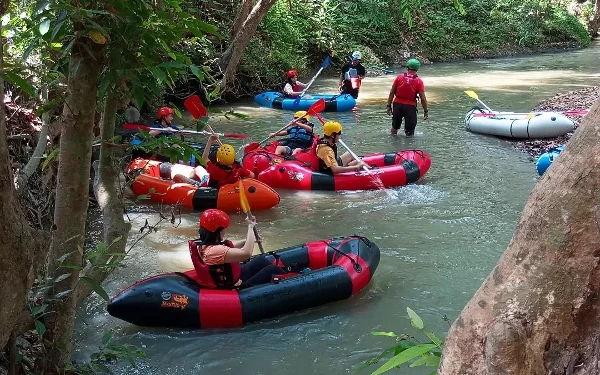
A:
(413, 64)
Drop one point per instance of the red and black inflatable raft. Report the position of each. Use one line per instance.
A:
(339, 268)
(300, 171)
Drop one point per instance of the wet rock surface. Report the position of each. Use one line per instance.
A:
(570, 101)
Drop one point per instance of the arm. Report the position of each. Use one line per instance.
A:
(391, 98)
(239, 243)
(305, 127)
(241, 254)
(154, 133)
(339, 169)
(424, 104)
(209, 143)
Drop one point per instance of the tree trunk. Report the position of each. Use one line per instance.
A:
(23, 248)
(232, 56)
(594, 24)
(77, 134)
(538, 310)
(242, 15)
(108, 194)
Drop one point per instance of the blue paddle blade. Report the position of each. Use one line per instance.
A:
(326, 62)
(297, 101)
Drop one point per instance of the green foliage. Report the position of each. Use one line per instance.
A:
(408, 349)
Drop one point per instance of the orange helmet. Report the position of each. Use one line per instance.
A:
(164, 111)
(292, 73)
(213, 220)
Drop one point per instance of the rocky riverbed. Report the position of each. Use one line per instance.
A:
(573, 100)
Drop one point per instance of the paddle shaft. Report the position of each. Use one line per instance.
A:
(213, 133)
(147, 128)
(354, 156)
(256, 235)
(483, 104)
(310, 83)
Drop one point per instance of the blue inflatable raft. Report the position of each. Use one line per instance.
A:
(333, 103)
(546, 159)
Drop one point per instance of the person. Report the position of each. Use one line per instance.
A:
(222, 166)
(177, 172)
(352, 74)
(293, 87)
(163, 122)
(327, 152)
(217, 261)
(405, 90)
(301, 135)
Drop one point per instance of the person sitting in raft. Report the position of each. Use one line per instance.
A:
(217, 261)
(300, 136)
(327, 152)
(293, 87)
(222, 166)
(163, 123)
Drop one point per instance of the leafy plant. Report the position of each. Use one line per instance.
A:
(408, 349)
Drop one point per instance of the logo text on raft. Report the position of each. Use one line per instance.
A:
(295, 175)
(371, 171)
(178, 301)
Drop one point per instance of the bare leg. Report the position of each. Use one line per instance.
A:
(281, 150)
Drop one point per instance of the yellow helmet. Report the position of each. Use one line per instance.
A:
(331, 127)
(226, 154)
(300, 114)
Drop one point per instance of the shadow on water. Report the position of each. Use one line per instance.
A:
(439, 238)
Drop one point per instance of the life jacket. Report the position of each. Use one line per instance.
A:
(218, 276)
(407, 90)
(322, 166)
(299, 134)
(295, 87)
(220, 174)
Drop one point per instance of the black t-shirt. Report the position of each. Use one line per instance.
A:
(360, 70)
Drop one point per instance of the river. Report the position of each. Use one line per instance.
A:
(439, 238)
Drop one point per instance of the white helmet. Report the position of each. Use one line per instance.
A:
(356, 55)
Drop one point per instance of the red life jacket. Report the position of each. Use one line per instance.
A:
(296, 87)
(221, 174)
(407, 89)
(218, 276)
(308, 157)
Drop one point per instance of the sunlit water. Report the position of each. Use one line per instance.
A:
(439, 238)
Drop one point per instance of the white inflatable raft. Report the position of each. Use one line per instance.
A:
(518, 125)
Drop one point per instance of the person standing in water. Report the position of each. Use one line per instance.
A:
(352, 74)
(405, 90)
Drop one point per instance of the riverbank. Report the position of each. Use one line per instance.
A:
(572, 100)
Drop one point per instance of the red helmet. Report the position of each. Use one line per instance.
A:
(213, 220)
(291, 73)
(164, 111)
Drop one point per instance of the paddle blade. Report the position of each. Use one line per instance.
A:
(194, 105)
(326, 62)
(316, 107)
(235, 135)
(297, 100)
(252, 146)
(472, 94)
(243, 200)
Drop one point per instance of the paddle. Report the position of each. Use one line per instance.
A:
(347, 148)
(324, 65)
(474, 95)
(314, 109)
(246, 208)
(194, 105)
(147, 128)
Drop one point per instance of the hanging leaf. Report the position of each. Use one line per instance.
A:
(44, 27)
(97, 37)
(403, 357)
(40, 328)
(50, 157)
(96, 287)
(415, 320)
(15, 79)
(196, 71)
(107, 337)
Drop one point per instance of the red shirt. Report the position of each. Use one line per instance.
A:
(225, 176)
(407, 87)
